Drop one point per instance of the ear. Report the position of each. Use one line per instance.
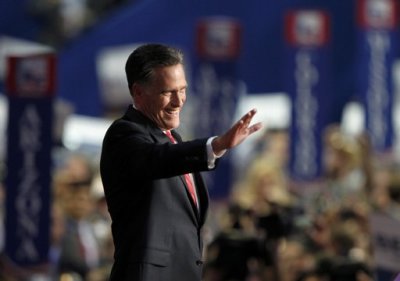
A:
(137, 92)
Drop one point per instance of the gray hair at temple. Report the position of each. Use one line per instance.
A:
(144, 59)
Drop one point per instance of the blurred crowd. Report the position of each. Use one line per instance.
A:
(268, 229)
(60, 21)
(272, 228)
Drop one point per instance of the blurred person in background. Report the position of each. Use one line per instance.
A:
(155, 194)
(79, 250)
(386, 195)
(57, 232)
(343, 182)
(276, 146)
(80, 231)
(101, 221)
(77, 169)
(367, 161)
(271, 144)
(101, 7)
(346, 255)
(264, 191)
(309, 276)
(237, 252)
(385, 199)
(294, 259)
(350, 253)
(379, 195)
(63, 20)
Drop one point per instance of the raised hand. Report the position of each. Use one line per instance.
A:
(236, 134)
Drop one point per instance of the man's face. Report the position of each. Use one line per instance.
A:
(162, 98)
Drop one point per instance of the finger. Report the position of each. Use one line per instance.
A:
(238, 125)
(246, 119)
(249, 115)
(254, 128)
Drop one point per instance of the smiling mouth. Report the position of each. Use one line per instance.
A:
(173, 113)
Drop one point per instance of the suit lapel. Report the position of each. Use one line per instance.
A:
(201, 190)
(160, 137)
(192, 205)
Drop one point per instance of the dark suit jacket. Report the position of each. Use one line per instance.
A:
(155, 226)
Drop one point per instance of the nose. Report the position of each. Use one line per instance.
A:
(178, 99)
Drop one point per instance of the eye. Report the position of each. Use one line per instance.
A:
(182, 91)
(166, 93)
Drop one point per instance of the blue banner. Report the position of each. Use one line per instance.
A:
(377, 41)
(218, 89)
(30, 86)
(307, 82)
(377, 49)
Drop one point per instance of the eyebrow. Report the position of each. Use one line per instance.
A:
(171, 90)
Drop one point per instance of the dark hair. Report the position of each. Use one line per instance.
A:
(143, 60)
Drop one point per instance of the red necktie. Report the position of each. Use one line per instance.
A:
(188, 179)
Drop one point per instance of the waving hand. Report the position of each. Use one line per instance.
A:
(236, 134)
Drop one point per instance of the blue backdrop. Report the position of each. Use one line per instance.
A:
(173, 22)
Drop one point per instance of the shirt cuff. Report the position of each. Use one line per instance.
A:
(211, 157)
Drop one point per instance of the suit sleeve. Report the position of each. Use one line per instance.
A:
(129, 146)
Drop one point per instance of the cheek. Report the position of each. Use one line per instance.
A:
(164, 102)
(155, 104)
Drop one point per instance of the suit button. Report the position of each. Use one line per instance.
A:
(199, 262)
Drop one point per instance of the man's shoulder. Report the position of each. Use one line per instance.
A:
(123, 126)
(133, 124)
(130, 120)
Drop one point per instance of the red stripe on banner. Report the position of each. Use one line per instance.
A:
(218, 38)
(379, 14)
(307, 27)
(31, 76)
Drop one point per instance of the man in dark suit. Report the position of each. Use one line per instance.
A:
(154, 191)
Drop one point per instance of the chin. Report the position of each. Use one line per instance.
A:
(172, 124)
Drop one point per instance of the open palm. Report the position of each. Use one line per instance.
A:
(237, 133)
